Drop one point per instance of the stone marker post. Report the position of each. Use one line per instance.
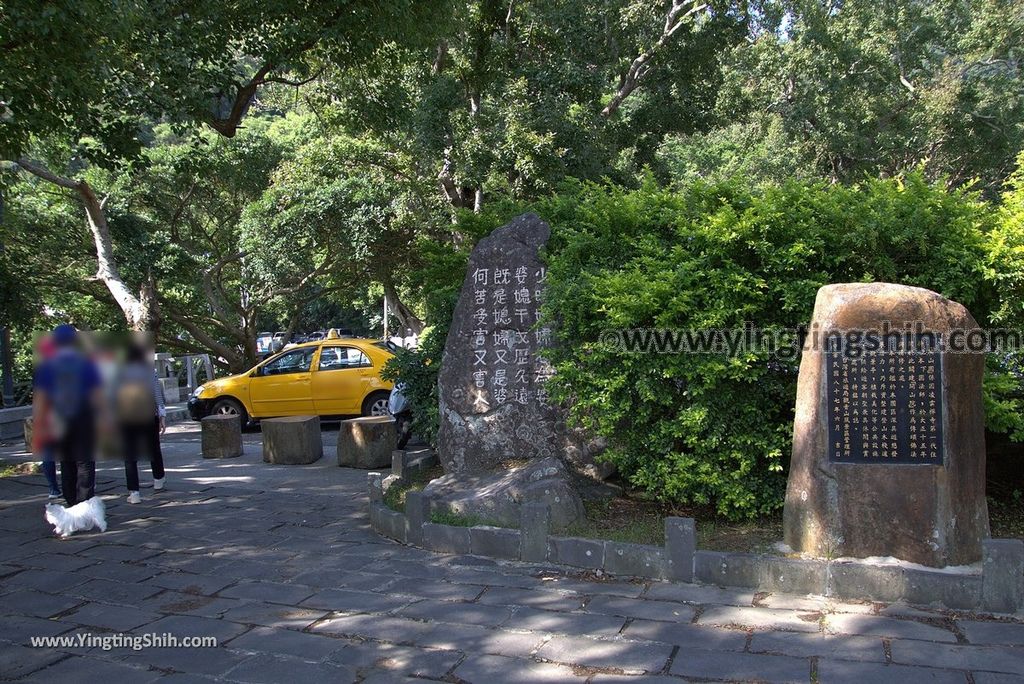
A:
(888, 441)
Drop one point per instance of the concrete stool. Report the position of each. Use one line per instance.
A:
(367, 442)
(294, 440)
(222, 437)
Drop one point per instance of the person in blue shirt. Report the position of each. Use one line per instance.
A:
(67, 393)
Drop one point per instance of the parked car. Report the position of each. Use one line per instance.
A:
(331, 378)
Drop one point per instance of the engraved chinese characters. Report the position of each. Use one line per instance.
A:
(506, 334)
(885, 404)
(500, 441)
(889, 431)
(492, 391)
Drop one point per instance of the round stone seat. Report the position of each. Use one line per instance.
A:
(294, 440)
(367, 442)
(222, 436)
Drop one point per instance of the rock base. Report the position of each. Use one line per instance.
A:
(498, 497)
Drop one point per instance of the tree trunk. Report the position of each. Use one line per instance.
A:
(293, 323)
(235, 361)
(141, 311)
(641, 64)
(404, 315)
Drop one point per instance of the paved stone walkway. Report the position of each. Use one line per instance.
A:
(278, 563)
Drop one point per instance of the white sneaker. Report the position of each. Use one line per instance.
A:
(134, 498)
(158, 484)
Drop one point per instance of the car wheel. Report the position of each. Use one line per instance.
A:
(230, 407)
(376, 404)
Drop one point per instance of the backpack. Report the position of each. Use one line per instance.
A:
(134, 401)
(68, 400)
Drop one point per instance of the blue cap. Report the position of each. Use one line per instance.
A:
(64, 335)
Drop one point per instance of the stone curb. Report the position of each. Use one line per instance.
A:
(997, 587)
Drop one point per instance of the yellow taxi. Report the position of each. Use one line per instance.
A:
(331, 377)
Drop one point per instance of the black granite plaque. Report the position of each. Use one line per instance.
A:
(885, 404)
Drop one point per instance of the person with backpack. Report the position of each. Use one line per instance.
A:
(141, 412)
(67, 403)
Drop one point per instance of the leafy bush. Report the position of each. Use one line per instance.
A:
(1004, 401)
(439, 281)
(711, 429)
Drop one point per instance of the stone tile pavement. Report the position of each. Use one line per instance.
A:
(279, 565)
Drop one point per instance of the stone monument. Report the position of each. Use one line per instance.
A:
(501, 442)
(888, 440)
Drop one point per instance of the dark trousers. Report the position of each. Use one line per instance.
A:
(138, 441)
(50, 471)
(78, 480)
(403, 424)
(75, 451)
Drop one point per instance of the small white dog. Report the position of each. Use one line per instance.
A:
(83, 516)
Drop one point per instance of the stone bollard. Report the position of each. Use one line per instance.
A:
(366, 442)
(375, 487)
(294, 440)
(535, 520)
(680, 546)
(222, 437)
(417, 512)
(1002, 579)
(27, 426)
(417, 460)
(398, 463)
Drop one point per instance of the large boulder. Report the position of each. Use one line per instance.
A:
(495, 413)
(888, 443)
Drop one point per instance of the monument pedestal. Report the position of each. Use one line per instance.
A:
(888, 443)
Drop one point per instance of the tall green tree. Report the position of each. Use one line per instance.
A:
(517, 96)
(341, 215)
(93, 75)
(866, 87)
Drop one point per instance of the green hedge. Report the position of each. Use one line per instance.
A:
(705, 428)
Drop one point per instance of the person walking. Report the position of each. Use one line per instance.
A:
(141, 416)
(42, 443)
(67, 403)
